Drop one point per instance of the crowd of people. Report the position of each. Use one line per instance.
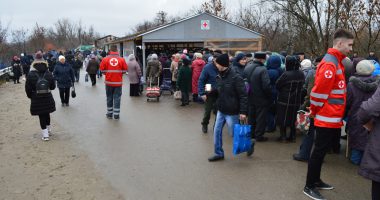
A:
(263, 89)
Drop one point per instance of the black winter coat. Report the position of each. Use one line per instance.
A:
(64, 74)
(260, 89)
(16, 68)
(92, 67)
(359, 89)
(77, 64)
(370, 110)
(290, 87)
(42, 103)
(232, 97)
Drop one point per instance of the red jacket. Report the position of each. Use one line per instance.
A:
(113, 66)
(197, 67)
(328, 96)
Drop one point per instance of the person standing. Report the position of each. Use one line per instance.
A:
(64, 75)
(77, 64)
(370, 166)
(259, 95)
(92, 68)
(208, 76)
(153, 70)
(134, 75)
(239, 63)
(360, 88)
(232, 104)
(114, 67)
(25, 63)
(328, 101)
(174, 69)
(197, 67)
(289, 86)
(184, 81)
(38, 85)
(16, 69)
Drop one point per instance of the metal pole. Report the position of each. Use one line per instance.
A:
(143, 60)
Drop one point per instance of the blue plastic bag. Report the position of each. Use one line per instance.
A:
(242, 139)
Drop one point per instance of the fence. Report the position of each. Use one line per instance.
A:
(4, 74)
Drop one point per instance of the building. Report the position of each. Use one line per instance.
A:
(101, 42)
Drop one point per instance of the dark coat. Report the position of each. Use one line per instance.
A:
(92, 67)
(232, 97)
(256, 74)
(274, 72)
(77, 64)
(184, 79)
(370, 165)
(42, 103)
(64, 74)
(208, 76)
(359, 89)
(16, 68)
(238, 68)
(290, 86)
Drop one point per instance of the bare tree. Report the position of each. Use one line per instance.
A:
(215, 7)
(161, 18)
(19, 39)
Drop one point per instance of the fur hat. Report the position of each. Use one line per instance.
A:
(365, 67)
(223, 60)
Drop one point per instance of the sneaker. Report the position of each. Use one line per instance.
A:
(49, 130)
(215, 158)
(313, 193)
(204, 128)
(252, 149)
(45, 135)
(117, 117)
(323, 186)
(109, 116)
(45, 138)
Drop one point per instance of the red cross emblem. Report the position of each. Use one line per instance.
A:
(205, 24)
(114, 62)
(341, 84)
(328, 74)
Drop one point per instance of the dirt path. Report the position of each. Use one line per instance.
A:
(33, 169)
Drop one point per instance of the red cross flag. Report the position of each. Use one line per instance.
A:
(205, 24)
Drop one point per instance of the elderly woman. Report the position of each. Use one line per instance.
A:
(64, 74)
(134, 74)
(38, 84)
(92, 68)
(289, 87)
(174, 69)
(197, 67)
(153, 70)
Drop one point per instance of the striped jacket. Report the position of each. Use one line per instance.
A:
(328, 96)
(113, 66)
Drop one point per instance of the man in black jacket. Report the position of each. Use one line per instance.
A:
(259, 95)
(77, 64)
(231, 103)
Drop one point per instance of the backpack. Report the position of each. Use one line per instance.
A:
(42, 85)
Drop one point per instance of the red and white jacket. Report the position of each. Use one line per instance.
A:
(328, 96)
(113, 66)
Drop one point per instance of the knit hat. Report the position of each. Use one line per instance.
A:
(306, 64)
(365, 67)
(223, 60)
(260, 55)
(239, 57)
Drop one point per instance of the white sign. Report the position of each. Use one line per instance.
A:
(205, 24)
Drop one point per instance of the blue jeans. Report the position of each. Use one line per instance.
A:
(113, 100)
(356, 156)
(221, 119)
(307, 142)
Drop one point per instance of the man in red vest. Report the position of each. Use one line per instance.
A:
(327, 105)
(113, 66)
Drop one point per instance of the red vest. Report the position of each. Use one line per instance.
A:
(328, 96)
(114, 67)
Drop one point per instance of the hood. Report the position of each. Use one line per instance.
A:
(199, 62)
(274, 62)
(292, 63)
(39, 65)
(365, 83)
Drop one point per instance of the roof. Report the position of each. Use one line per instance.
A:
(105, 37)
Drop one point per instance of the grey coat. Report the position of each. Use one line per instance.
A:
(370, 110)
(134, 72)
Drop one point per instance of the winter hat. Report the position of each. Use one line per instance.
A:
(365, 67)
(184, 51)
(186, 61)
(154, 56)
(223, 60)
(61, 57)
(210, 59)
(239, 57)
(306, 64)
(260, 55)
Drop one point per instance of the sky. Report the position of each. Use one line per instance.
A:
(108, 17)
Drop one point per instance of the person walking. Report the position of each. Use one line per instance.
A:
(360, 88)
(232, 104)
(259, 95)
(16, 69)
(92, 69)
(64, 75)
(38, 85)
(370, 166)
(113, 66)
(184, 81)
(196, 67)
(208, 76)
(289, 86)
(134, 74)
(77, 64)
(328, 101)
